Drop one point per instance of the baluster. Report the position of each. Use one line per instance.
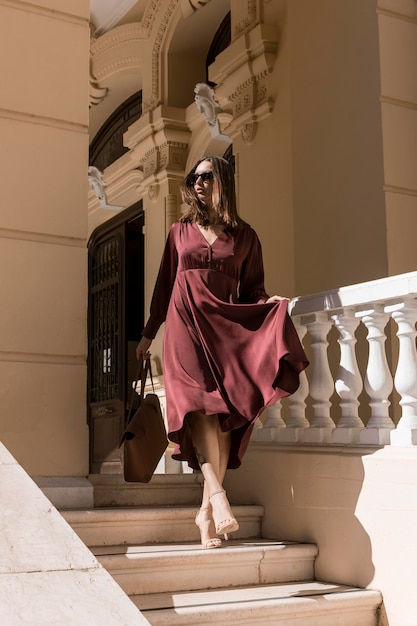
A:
(321, 382)
(378, 379)
(273, 424)
(405, 316)
(297, 421)
(348, 382)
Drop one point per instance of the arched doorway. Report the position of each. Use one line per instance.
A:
(115, 322)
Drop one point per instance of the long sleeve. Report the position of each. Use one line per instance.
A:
(251, 287)
(163, 288)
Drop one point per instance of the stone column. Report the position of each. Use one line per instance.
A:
(43, 227)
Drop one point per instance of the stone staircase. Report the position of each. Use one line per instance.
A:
(150, 545)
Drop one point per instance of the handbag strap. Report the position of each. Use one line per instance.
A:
(144, 368)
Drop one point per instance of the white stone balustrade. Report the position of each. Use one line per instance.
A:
(348, 382)
(297, 421)
(321, 381)
(329, 406)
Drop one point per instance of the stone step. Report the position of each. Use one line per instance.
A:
(188, 567)
(308, 603)
(141, 525)
(110, 490)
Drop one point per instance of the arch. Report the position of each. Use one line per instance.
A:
(179, 50)
(116, 68)
(107, 145)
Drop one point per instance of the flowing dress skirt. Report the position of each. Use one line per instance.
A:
(224, 358)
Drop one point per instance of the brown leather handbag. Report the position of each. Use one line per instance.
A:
(145, 439)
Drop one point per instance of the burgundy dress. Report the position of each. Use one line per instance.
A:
(225, 350)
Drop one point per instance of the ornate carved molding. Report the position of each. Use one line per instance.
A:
(249, 21)
(150, 14)
(158, 141)
(154, 100)
(241, 74)
(96, 93)
(248, 132)
(168, 155)
(117, 50)
(153, 192)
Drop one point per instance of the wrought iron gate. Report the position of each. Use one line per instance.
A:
(115, 323)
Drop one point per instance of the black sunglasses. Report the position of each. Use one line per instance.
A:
(192, 178)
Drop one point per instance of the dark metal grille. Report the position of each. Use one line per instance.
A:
(105, 322)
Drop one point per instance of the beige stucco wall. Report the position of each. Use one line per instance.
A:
(340, 227)
(43, 226)
(398, 53)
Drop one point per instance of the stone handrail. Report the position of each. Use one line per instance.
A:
(309, 417)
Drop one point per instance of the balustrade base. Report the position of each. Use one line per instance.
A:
(404, 437)
(318, 434)
(292, 434)
(268, 434)
(376, 436)
(346, 435)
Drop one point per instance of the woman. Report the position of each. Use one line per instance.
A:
(229, 349)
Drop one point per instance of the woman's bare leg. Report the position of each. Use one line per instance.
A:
(224, 451)
(212, 447)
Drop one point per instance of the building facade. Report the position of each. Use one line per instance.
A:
(315, 103)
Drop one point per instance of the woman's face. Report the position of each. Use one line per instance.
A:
(203, 183)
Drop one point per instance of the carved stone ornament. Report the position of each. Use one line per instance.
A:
(248, 132)
(242, 76)
(97, 185)
(154, 100)
(96, 93)
(189, 7)
(153, 192)
(251, 18)
(207, 105)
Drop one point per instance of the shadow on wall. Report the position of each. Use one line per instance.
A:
(309, 496)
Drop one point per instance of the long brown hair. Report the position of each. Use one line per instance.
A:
(223, 196)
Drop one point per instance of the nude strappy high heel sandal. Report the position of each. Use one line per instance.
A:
(222, 514)
(204, 521)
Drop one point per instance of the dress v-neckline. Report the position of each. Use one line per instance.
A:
(204, 237)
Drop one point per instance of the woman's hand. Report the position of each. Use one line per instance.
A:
(142, 349)
(276, 299)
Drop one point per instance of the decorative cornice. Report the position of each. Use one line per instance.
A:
(247, 101)
(170, 154)
(116, 51)
(115, 37)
